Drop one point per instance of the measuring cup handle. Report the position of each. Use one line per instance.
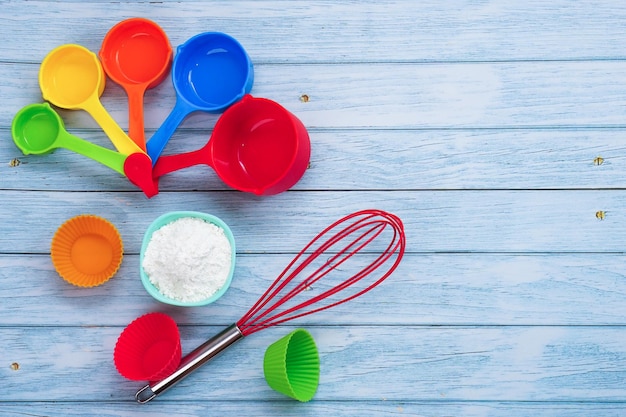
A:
(120, 139)
(106, 157)
(136, 131)
(171, 163)
(157, 142)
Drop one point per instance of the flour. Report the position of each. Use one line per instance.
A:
(188, 259)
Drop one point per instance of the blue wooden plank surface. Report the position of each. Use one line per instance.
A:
(494, 129)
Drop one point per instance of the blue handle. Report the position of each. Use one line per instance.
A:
(157, 142)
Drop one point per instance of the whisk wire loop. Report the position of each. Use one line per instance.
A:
(279, 283)
(343, 255)
(368, 226)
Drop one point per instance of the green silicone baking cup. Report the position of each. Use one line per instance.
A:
(292, 366)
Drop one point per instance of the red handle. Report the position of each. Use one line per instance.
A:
(171, 163)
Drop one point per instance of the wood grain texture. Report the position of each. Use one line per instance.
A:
(428, 289)
(318, 408)
(435, 221)
(352, 31)
(390, 96)
(369, 363)
(494, 129)
(372, 160)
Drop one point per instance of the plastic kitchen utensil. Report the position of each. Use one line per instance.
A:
(38, 129)
(86, 250)
(148, 348)
(137, 55)
(331, 269)
(257, 146)
(291, 365)
(72, 77)
(169, 218)
(138, 169)
(210, 72)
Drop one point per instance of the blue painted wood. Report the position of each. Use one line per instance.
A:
(493, 129)
(358, 363)
(363, 159)
(319, 408)
(435, 221)
(321, 31)
(393, 96)
(429, 289)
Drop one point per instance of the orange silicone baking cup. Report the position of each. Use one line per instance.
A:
(86, 250)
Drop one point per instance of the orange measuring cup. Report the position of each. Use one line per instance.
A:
(137, 55)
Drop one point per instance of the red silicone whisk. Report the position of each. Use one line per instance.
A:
(322, 275)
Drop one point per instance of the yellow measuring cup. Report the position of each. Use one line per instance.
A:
(72, 77)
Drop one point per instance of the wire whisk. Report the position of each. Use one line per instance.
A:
(370, 242)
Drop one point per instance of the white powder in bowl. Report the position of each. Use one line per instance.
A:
(188, 259)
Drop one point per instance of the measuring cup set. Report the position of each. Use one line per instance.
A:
(256, 146)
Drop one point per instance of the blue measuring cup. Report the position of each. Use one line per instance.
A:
(210, 72)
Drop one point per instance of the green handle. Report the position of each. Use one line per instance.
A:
(106, 157)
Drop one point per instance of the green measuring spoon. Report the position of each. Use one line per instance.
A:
(38, 129)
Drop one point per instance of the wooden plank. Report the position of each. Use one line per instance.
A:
(390, 96)
(318, 407)
(327, 31)
(439, 289)
(435, 221)
(372, 160)
(357, 364)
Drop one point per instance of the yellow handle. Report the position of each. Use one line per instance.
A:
(122, 142)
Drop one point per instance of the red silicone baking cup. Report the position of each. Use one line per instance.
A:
(149, 348)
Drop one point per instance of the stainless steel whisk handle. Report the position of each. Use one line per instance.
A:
(192, 361)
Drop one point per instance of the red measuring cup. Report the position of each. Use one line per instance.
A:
(257, 146)
(137, 55)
